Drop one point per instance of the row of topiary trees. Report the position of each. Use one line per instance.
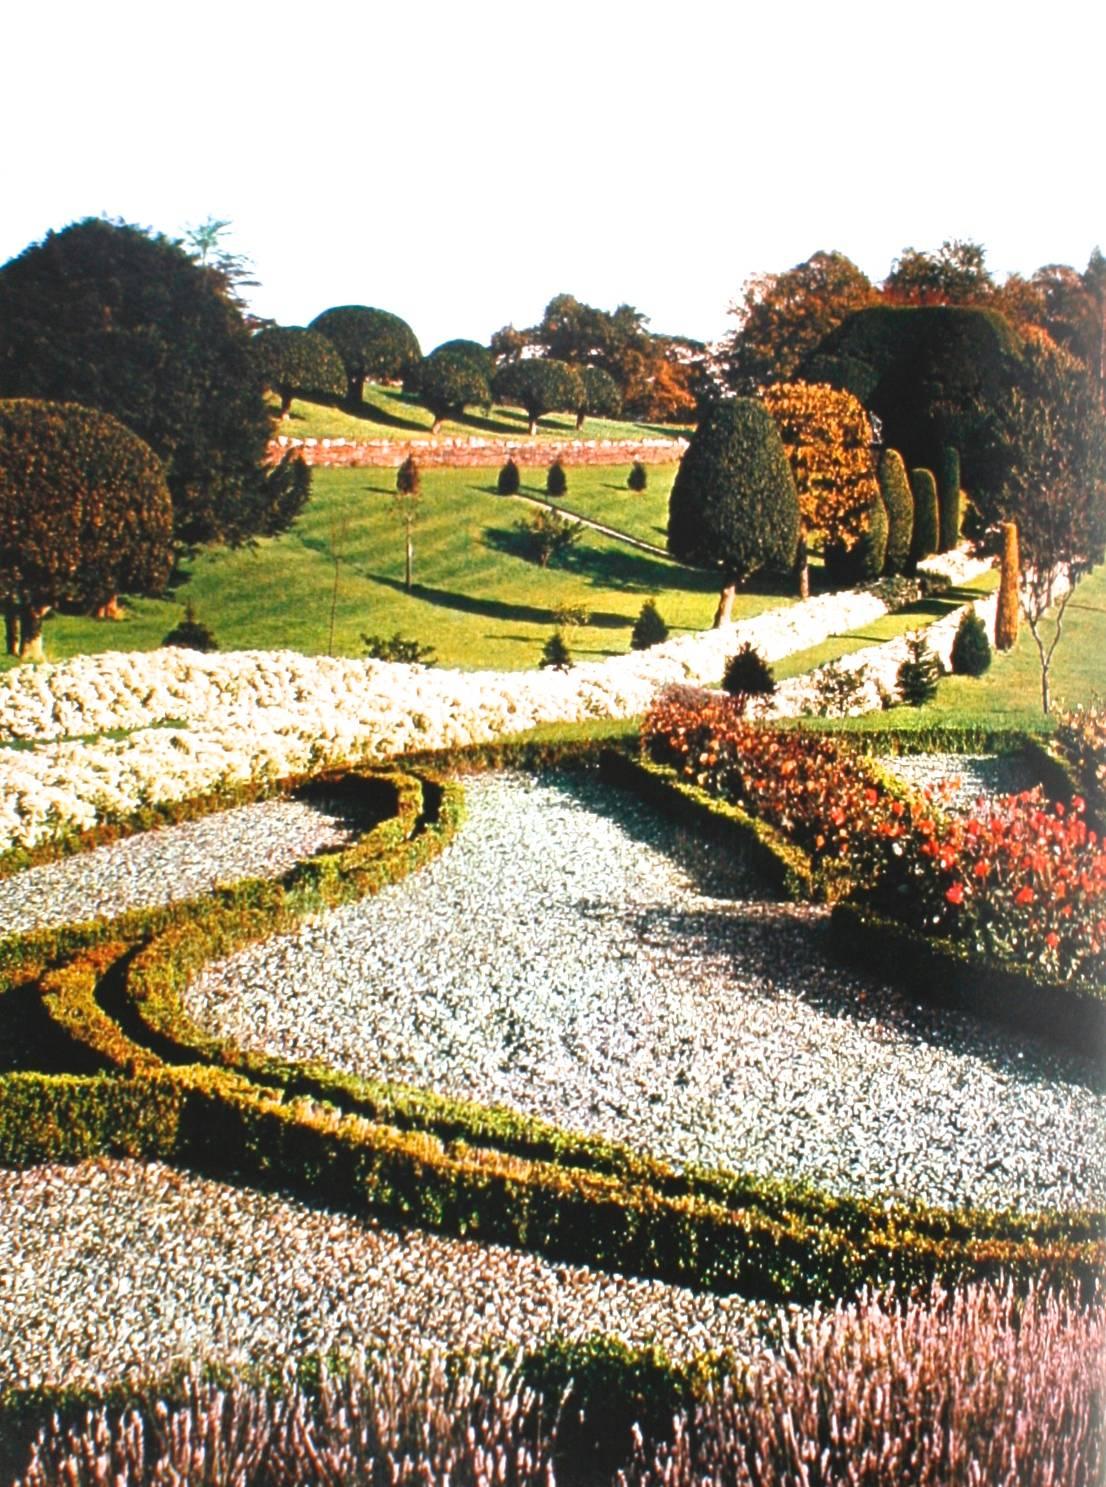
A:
(350, 344)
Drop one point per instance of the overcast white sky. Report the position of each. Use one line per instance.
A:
(461, 164)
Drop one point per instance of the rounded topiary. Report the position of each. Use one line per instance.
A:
(508, 482)
(748, 674)
(191, 634)
(927, 527)
(374, 345)
(1006, 612)
(948, 499)
(556, 481)
(971, 649)
(894, 487)
(554, 654)
(919, 673)
(638, 477)
(408, 477)
(649, 627)
(872, 547)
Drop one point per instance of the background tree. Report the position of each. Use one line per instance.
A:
(85, 513)
(782, 317)
(110, 317)
(406, 502)
(955, 275)
(206, 245)
(1073, 312)
(374, 345)
(294, 362)
(446, 382)
(894, 487)
(733, 503)
(540, 385)
(827, 437)
(602, 396)
(1053, 437)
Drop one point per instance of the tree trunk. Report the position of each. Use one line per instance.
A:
(725, 604)
(356, 392)
(580, 416)
(408, 556)
(1046, 696)
(436, 425)
(533, 425)
(111, 610)
(30, 631)
(285, 401)
(11, 629)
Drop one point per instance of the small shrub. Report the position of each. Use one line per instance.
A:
(638, 477)
(971, 649)
(398, 648)
(554, 654)
(191, 634)
(408, 478)
(556, 481)
(748, 675)
(919, 673)
(508, 482)
(549, 535)
(838, 691)
(649, 627)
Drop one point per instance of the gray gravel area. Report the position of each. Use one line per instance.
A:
(968, 776)
(171, 863)
(573, 956)
(114, 1268)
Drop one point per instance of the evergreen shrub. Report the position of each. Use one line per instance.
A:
(649, 627)
(971, 649)
(556, 481)
(927, 529)
(638, 477)
(508, 482)
(919, 674)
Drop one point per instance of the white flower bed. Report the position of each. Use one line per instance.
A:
(257, 715)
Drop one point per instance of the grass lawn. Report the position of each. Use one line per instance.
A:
(390, 414)
(477, 599)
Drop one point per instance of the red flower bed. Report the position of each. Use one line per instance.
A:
(1019, 880)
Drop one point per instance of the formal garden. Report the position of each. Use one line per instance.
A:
(520, 965)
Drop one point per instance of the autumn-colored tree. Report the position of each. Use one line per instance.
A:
(85, 513)
(828, 440)
(1007, 608)
(955, 275)
(1074, 312)
(782, 317)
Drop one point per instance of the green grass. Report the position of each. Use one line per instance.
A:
(477, 600)
(600, 493)
(389, 413)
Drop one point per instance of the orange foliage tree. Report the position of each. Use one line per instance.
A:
(827, 438)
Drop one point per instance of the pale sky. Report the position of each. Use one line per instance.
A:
(461, 164)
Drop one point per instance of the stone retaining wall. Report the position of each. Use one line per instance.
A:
(464, 453)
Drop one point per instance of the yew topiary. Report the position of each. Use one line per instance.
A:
(373, 344)
(649, 627)
(927, 530)
(898, 501)
(638, 477)
(508, 482)
(948, 499)
(971, 649)
(556, 481)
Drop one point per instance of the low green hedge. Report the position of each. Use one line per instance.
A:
(946, 974)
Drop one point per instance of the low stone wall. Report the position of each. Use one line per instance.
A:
(473, 452)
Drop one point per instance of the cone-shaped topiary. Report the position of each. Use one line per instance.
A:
(872, 548)
(919, 673)
(971, 650)
(1006, 613)
(948, 499)
(508, 482)
(408, 479)
(926, 522)
(638, 477)
(748, 674)
(649, 627)
(556, 481)
(191, 634)
(554, 654)
(894, 487)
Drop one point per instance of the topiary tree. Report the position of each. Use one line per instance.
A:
(539, 384)
(556, 481)
(733, 503)
(638, 477)
(748, 675)
(446, 381)
(373, 344)
(478, 357)
(508, 482)
(1007, 608)
(827, 437)
(898, 502)
(113, 318)
(294, 362)
(191, 634)
(649, 627)
(971, 649)
(555, 654)
(601, 395)
(85, 513)
(948, 499)
(927, 529)
(919, 673)
(872, 548)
